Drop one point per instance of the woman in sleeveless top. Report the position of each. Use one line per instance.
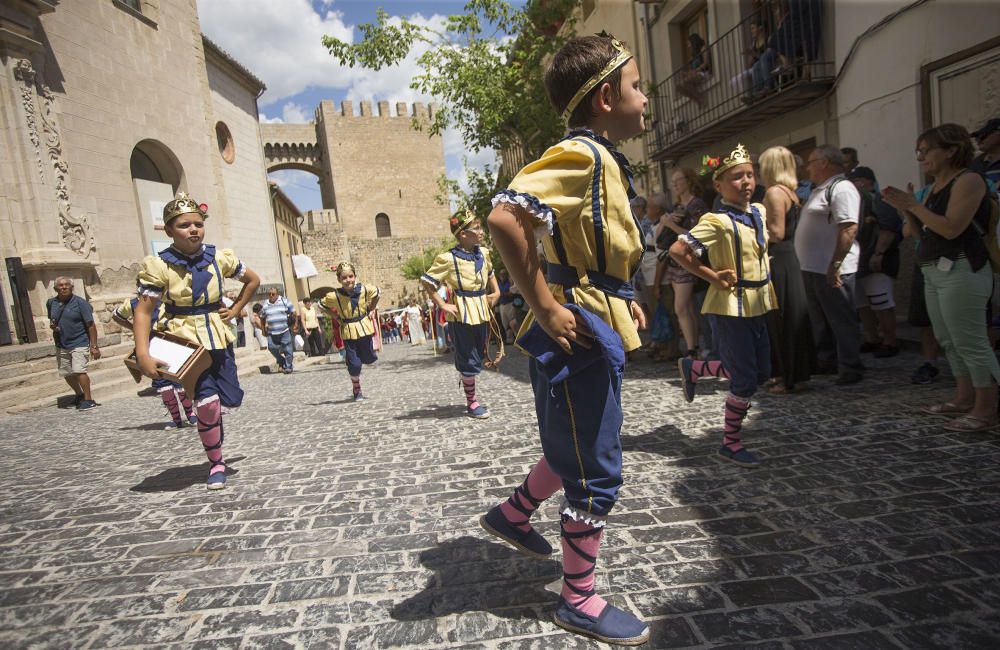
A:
(958, 279)
(788, 327)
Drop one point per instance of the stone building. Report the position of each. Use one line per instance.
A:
(378, 179)
(107, 108)
(288, 229)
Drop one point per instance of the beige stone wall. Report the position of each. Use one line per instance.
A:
(251, 231)
(380, 164)
(106, 80)
(378, 261)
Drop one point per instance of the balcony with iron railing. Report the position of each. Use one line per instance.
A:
(739, 87)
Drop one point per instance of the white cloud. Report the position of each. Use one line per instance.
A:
(291, 113)
(280, 42)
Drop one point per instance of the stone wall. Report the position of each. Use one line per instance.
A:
(378, 261)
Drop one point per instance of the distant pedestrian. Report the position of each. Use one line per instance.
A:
(311, 329)
(71, 319)
(278, 315)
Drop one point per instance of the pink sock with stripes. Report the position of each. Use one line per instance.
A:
(211, 433)
(736, 411)
(539, 485)
(186, 403)
(701, 369)
(469, 386)
(581, 544)
(170, 401)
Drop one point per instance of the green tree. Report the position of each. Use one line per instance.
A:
(417, 265)
(484, 67)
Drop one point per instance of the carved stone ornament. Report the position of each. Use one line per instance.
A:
(74, 228)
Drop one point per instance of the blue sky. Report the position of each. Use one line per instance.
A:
(279, 41)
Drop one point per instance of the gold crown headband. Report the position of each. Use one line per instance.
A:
(182, 204)
(620, 59)
(343, 266)
(738, 156)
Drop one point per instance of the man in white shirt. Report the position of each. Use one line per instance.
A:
(828, 254)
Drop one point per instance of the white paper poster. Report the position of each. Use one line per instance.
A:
(156, 212)
(304, 267)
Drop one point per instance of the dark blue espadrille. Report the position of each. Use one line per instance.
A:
(613, 626)
(530, 543)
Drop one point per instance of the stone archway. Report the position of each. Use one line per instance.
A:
(157, 174)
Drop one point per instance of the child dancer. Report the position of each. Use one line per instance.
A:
(583, 319)
(172, 394)
(186, 279)
(468, 273)
(351, 305)
(735, 240)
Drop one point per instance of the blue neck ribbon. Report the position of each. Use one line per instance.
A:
(623, 163)
(354, 295)
(197, 265)
(470, 256)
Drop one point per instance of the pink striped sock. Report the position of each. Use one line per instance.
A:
(581, 544)
(736, 410)
(469, 386)
(356, 384)
(211, 433)
(186, 403)
(701, 369)
(170, 401)
(540, 483)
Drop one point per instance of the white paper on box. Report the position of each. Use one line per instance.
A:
(174, 354)
(303, 266)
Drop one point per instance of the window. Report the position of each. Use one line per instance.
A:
(134, 5)
(382, 227)
(225, 141)
(696, 23)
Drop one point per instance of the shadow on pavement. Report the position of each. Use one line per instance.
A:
(437, 411)
(175, 479)
(472, 574)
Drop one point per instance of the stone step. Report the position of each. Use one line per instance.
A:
(16, 354)
(14, 375)
(116, 381)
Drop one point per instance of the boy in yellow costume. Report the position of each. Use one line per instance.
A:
(352, 305)
(468, 272)
(186, 281)
(583, 318)
(735, 240)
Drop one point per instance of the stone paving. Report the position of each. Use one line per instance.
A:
(355, 525)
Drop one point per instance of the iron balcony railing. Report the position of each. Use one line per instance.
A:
(731, 77)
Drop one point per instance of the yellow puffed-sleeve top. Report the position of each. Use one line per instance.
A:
(351, 310)
(574, 181)
(194, 318)
(722, 237)
(457, 270)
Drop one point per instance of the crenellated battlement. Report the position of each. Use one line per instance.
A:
(381, 110)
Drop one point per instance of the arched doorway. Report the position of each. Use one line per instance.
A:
(157, 174)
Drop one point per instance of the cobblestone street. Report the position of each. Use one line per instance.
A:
(350, 525)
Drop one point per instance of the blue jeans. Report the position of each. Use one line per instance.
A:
(760, 71)
(280, 345)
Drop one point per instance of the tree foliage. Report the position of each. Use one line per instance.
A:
(484, 66)
(417, 265)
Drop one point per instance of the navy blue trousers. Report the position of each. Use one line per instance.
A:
(221, 379)
(580, 422)
(357, 352)
(470, 341)
(745, 352)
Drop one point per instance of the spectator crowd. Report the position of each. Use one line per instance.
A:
(834, 245)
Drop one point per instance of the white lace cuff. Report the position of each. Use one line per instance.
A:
(541, 212)
(696, 246)
(589, 518)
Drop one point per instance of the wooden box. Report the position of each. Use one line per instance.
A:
(187, 375)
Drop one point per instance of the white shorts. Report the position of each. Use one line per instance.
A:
(874, 291)
(73, 361)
